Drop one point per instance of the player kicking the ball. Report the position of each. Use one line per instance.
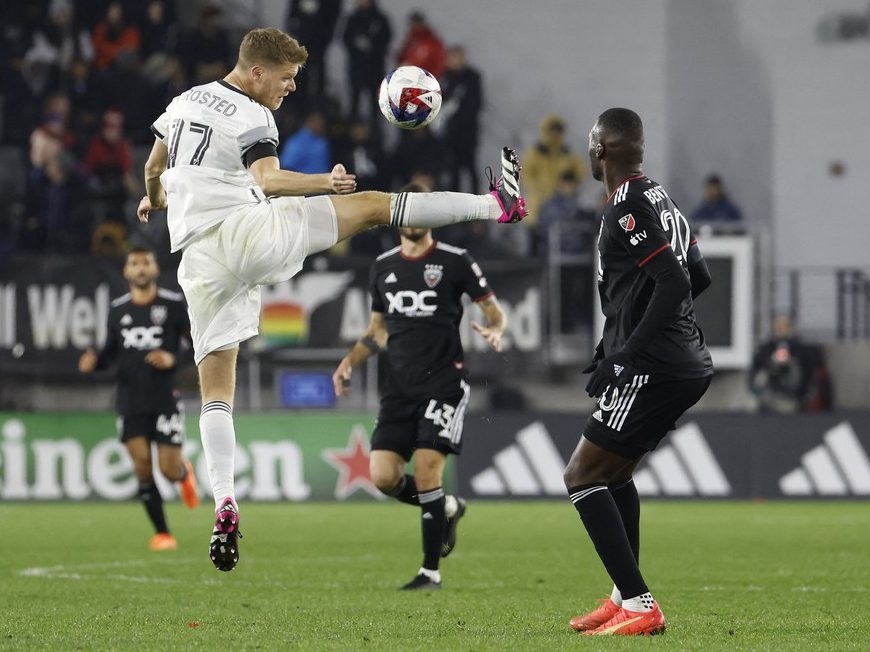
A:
(649, 368)
(242, 222)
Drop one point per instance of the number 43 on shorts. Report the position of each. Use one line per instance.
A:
(442, 417)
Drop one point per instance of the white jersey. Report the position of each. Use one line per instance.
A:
(208, 130)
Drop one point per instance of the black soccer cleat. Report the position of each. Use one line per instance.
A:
(421, 583)
(224, 547)
(452, 523)
(506, 188)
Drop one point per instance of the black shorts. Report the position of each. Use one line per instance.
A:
(165, 429)
(631, 421)
(404, 425)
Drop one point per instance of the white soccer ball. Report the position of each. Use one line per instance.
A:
(410, 97)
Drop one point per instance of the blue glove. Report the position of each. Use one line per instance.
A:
(614, 370)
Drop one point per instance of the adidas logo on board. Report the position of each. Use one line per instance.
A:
(837, 467)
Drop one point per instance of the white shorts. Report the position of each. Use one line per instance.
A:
(222, 270)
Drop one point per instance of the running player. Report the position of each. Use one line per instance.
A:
(416, 291)
(650, 367)
(144, 334)
(242, 222)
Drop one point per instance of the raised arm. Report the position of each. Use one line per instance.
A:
(275, 182)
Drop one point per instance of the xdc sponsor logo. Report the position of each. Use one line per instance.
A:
(837, 467)
(533, 467)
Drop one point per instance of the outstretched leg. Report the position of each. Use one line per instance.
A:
(504, 203)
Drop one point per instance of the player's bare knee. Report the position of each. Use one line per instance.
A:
(384, 478)
(172, 471)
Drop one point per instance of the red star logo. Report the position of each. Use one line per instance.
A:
(352, 464)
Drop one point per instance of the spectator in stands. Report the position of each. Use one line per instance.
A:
(108, 167)
(313, 23)
(544, 164)
(87, 93)
(789, 375)
(112, 36)
(463, 99)
(422, 46)
(406, 159)
(716, 206)
(367, 35)
(59, 41)
(365, 157)
(205, 50)
(51, 169)
(308, 149)
(564, 226)
(159, 40)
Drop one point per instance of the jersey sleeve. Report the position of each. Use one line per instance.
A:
(377, 299)
(258, 139)
(474, 283)
(160, 127)
(636, 227)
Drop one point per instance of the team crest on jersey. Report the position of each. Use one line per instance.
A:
(126, 320)
(158, 315)
(627, 223)
(433, 274)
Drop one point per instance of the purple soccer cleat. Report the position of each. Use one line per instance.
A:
(224, 547)
(506, 189)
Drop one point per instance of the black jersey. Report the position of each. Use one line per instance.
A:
(421, 300)
(134, 330)
(640, 222)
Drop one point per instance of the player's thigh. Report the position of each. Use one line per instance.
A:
(224, 310)
(441, 419)
(135, 436)
(386, 468)
(632, 420)
(169, 460)
(429, 468)
(360, 211)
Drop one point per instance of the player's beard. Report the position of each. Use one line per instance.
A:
(413, 234)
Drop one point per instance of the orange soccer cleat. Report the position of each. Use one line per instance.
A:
(162, 541)
(606, 610)
(632, 623)
(187, 487)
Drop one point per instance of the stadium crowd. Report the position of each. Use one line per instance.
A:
(83, 80)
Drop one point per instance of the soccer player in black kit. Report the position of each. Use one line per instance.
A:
(649, 368)
(416, 291)
(145, 330)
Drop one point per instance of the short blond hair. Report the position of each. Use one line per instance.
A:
(270, 46)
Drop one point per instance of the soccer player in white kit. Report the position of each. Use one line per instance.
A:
(242, 222)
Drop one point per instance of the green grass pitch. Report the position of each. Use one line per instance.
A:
(729, 576)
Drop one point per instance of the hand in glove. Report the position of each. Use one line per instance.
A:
(596, 358)
(614, 370)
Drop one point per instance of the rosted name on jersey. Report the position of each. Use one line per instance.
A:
(212, 101)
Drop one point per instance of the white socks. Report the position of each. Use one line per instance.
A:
(616, 596)
(219, 445)
(434, 209)
(433, 575)
(640, 604)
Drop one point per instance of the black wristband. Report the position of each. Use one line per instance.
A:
(369, 342)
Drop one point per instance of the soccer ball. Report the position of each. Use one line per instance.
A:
(410, 97)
